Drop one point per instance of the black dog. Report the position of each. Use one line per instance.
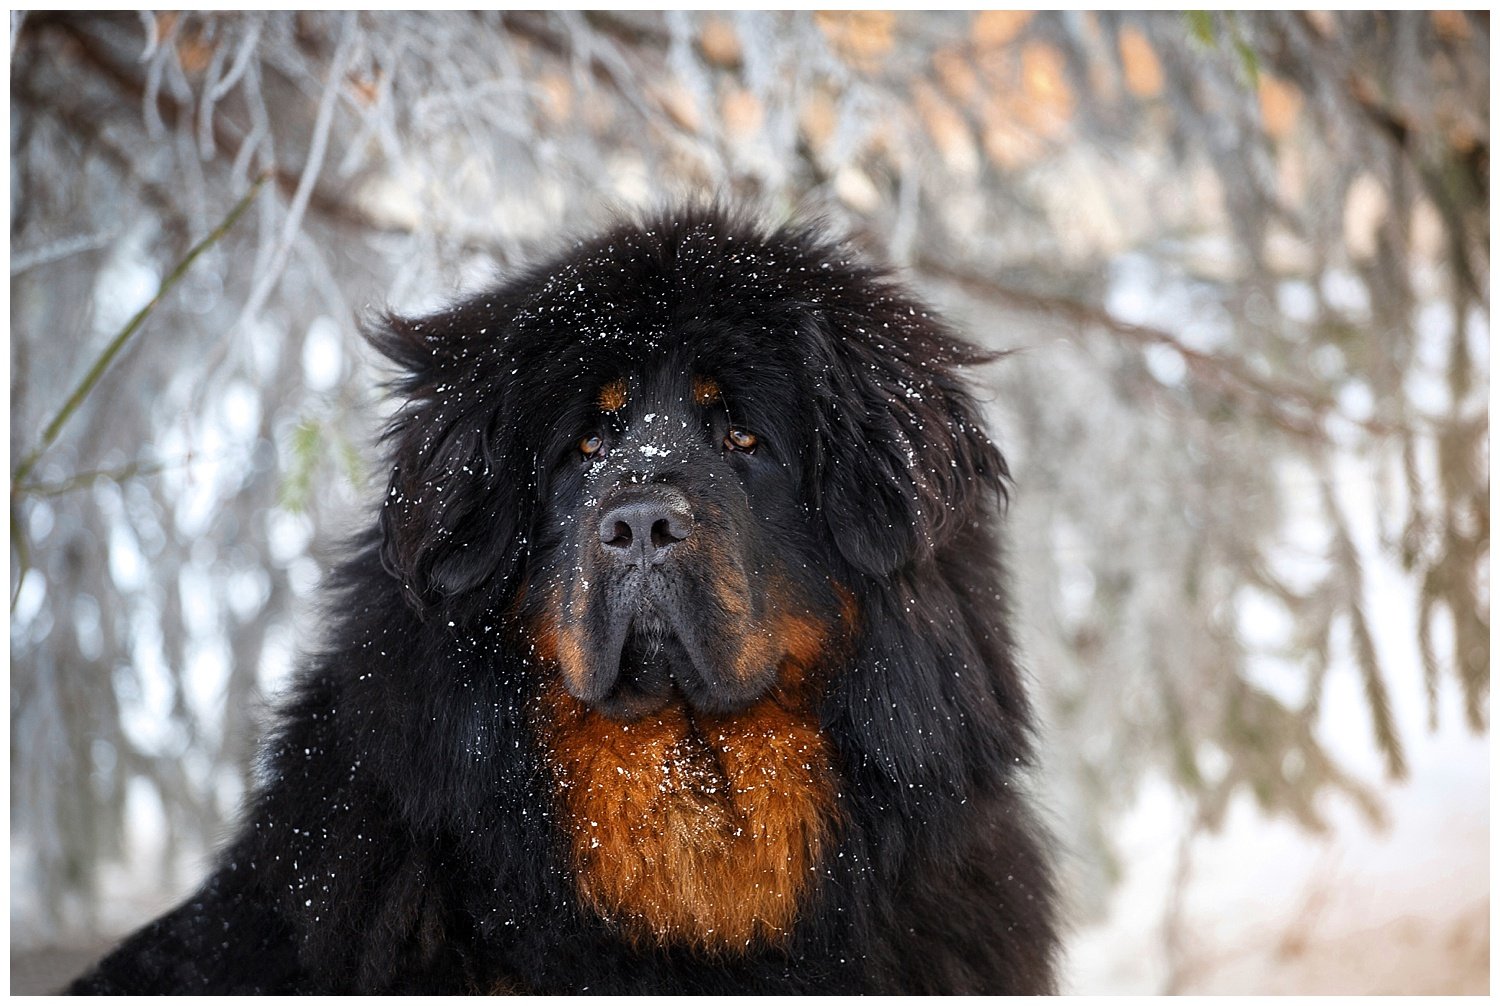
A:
(678, 661)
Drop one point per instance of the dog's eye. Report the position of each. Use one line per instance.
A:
(591, 446)
(740, 440)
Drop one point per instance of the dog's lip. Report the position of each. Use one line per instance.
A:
(650, 682)
(656, 617)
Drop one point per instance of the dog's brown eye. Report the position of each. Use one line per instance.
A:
(591, 446)
(740, 440)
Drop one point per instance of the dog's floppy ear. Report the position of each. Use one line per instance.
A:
(901, 459)
(453, 510)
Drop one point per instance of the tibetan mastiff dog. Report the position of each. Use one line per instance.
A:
(678, 659)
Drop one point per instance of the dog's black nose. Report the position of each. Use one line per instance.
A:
(642, 530)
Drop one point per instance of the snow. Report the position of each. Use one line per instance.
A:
(1271, 908)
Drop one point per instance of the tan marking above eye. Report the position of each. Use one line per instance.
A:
(740, 440)
(706, 391)
(612, 396)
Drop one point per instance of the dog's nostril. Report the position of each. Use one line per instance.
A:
(621, 537)
(665, 532)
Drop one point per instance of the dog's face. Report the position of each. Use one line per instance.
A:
(671, 559)
(670, 449)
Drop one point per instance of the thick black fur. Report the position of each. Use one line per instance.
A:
(403, 835)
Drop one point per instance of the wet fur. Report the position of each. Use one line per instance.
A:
(420, 818)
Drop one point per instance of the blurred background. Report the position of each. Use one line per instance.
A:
(1242, 261)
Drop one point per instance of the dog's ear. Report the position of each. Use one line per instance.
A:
(453, 511)
(901, 459)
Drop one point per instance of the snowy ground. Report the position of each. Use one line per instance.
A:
(1271, 909)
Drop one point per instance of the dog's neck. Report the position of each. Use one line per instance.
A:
(688, 828)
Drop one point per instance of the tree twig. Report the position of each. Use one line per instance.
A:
(118, 343)
(1298, 410)
(23, 555)
(226, 134)
(134, 469)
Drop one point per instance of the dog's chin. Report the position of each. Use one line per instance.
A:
(629, 703)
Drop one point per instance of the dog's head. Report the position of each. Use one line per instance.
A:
(671, 452)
